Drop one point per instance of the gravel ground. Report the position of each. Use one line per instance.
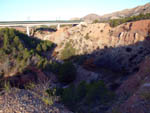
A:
(26, 101)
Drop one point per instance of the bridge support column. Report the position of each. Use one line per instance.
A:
(58, 26)
(28, 30)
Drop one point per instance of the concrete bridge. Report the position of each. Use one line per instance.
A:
(29, 24)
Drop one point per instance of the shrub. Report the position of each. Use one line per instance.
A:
(39, 48)
(30, 85)
(20, 47)
(68, 51)
(47, 100)
(66, 73)
(6, 42)
(42, 63)
(81, 91)
(86, 94)
(7, 86)
(96, 21)
(26, 54)
(87, 36)
(44, 47)
(16, 40)
(68, 97)
(52, 96)
(97, 93)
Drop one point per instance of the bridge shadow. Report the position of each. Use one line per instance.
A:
(49, 29)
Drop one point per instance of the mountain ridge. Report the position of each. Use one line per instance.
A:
(119, 14)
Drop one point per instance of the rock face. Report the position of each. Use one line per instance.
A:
(124, 13)
(133, 94)
(141, 27)
(125, 46)
(121, 49)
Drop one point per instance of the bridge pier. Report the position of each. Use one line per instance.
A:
(28, 30)
(58, 26)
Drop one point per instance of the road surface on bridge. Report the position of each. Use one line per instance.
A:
(29, 24)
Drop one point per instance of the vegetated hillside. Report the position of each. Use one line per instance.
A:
(116, 22)
(102, 41)
(24, 64)
(94, 68)
(18, 51)
(114, 55)
(121, 14)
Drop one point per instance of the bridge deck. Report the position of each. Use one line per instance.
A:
(39, 22)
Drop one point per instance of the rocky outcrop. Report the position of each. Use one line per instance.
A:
(141, 27)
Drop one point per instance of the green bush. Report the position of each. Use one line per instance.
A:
(39, 48)
(16, 40)
(86, 94)
(68, 51)
(51, 97)
(44, 46)
(87, 36)
(68, 96)
(95, 21)
(98, 93)
(66, 73)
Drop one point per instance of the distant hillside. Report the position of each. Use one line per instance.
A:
(91, 17)
(116, 15)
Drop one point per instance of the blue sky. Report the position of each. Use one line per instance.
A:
(11, 10)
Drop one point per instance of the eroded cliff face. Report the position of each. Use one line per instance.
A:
(133, 94)
(121, 49)
(95, 36)
(117, 50)
(125, 45)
